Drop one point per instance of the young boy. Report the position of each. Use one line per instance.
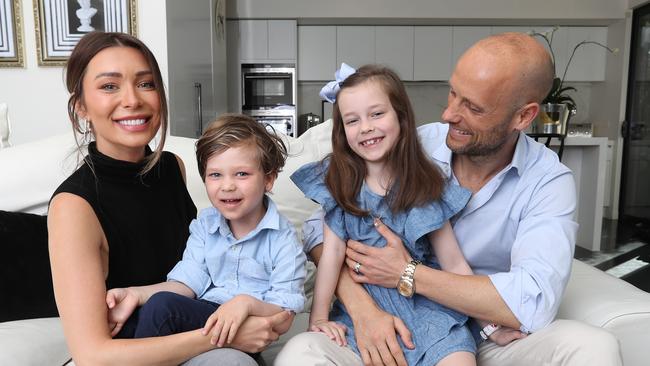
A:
(243, 257)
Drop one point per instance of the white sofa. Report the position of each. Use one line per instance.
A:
(592, 295)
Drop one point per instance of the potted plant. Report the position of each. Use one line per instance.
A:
(558, 104)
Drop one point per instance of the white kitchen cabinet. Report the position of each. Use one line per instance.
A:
(432, 53)
(394, 48)
(266, 40)
(254, 42)
(355, 45)
(282, 39)
(589, 61)
(316, 52)
(464, 37)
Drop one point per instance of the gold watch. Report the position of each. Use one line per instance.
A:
(406, 284)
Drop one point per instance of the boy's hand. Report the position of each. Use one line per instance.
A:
(505, 335)
(336, 331)
(224, 323)
(121, 303)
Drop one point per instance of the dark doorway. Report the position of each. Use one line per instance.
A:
(634, 204)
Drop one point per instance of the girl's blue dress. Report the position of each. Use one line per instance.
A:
(437, 330)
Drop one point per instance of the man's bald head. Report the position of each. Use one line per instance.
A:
(525, 62)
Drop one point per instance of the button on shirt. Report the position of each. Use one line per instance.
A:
(268, 263)
(518, 228)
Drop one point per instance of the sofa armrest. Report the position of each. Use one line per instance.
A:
(597, 298)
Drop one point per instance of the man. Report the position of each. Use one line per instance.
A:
(517, 231)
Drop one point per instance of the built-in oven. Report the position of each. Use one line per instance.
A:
(268, 85)
(269, 95)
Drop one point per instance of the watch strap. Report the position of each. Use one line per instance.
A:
(488, 330)
(408, 276)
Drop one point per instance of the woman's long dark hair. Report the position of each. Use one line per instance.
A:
(415, 179)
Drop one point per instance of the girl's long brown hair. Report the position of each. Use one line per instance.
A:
(415, 179)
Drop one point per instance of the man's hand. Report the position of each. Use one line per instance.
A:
(505, 335)
(375, 332)
(379, 266)
(257, 332)
(121, 303)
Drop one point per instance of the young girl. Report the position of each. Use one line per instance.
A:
(378, 170)
(242, 258)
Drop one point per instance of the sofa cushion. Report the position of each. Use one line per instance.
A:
(25, 267)
(31, 172)
(312, 145)
(33, 342)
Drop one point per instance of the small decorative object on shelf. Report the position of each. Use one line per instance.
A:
(558, 105)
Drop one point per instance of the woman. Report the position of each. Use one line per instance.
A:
(122, 218)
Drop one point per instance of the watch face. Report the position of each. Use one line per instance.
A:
(405, 288)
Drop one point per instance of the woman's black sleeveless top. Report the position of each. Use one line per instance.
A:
(145, 218)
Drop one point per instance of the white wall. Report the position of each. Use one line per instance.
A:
(429, 9)
(36, 95)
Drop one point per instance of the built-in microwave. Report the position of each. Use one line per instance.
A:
(268, 85)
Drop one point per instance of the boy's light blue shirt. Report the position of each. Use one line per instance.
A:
(518, 229)
(268, 263)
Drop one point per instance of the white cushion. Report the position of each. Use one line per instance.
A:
(33, 342)
(600, 299)
(31, 172)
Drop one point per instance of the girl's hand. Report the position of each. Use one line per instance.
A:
(505, 335)
(224, 323)
(121, 303)
(336, 331)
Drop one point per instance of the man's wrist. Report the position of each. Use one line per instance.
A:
(487, 330)
(406, 283)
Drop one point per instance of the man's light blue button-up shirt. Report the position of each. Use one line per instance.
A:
(268, 263)
(518, 228)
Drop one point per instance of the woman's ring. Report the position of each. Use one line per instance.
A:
(357, 268)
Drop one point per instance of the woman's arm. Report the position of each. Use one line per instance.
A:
(76, 243)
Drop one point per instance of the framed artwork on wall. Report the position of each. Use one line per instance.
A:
(11, 34)
(60, 24)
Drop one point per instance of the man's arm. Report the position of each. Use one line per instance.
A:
(473, 295)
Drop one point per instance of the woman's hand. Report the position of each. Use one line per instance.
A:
(379, 266)
(376, 334)
(121, 303)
